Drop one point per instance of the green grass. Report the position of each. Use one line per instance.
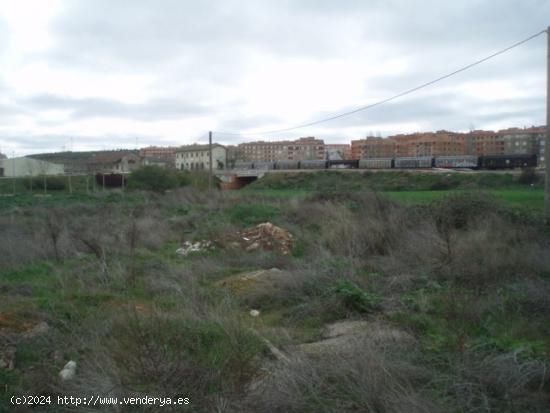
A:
(251, 214)
(387, 181)
(523, 200)
(448, 320)
(24, 200)
(279, 193)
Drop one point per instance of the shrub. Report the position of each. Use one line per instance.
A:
(459, 210)
(156, 178)
(373, 228)
(152, 353)
(199, 179)
(365, 381)
(355, 298)
(445, 183)
(506, 382)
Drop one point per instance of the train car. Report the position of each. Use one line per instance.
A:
(413, 162)
(289, 164)
(507, 161)
(343, 164)
(313, 164)
(264, 165)
(376, 163)
(459, 161)
(243, 165)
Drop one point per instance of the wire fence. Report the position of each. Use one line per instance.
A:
(60, 184)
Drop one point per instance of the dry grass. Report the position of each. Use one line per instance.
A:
(515, 380)
(141, 320)
(366, 379)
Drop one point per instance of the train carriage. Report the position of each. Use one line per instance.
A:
(264, 165)
(413, 162)
(376, 163)
(507, 161)
(313, 164)
(288, 164)
(459, 161)
(343, 164)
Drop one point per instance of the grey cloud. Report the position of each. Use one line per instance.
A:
(10, 110)
(4, 38)
(187, 34)
(158, 109)
(248, 122)
(26, 142)
(190, 48)
(441, 112)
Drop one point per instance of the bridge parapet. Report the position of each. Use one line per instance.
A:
(258, 173)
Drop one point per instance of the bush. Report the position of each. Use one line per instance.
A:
(445, 183)
(460, 210)
(368, 380)
(355, 298)
(199, 179)
(149, 354)
(155, 178)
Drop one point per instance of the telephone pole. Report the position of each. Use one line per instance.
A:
(210, 156)
(547, 138)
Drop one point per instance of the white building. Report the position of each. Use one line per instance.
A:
(25, 166)
(197, 157)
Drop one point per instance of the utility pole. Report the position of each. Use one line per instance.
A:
(210, 155)
(13, 171)
(547, 140)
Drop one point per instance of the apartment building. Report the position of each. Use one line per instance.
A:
(338, 151)
(300, 149)
(197, 157)
(481, 142)
(153, 154)
(373, 147)
(440, 143)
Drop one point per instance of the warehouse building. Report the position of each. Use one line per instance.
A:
(25, 166)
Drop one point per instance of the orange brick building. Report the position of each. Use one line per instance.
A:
(440, 143)
(373, 147)
(342, 149)
(166, 153)
(300, 149)
(480, 142)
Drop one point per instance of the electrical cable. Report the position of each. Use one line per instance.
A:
(380, 102)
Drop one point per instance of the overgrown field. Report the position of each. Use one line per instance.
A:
(382, 305)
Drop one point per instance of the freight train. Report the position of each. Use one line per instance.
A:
(419, 162)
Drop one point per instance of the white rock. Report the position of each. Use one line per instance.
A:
(68, 371)
(254, 313)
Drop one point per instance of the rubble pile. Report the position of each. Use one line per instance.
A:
(199, 246)
(268, 237)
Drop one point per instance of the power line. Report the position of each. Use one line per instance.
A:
(380, 102)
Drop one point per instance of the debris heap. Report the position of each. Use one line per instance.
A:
(268, 237)
(199, 246)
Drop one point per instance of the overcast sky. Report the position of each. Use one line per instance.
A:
(102, 74)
